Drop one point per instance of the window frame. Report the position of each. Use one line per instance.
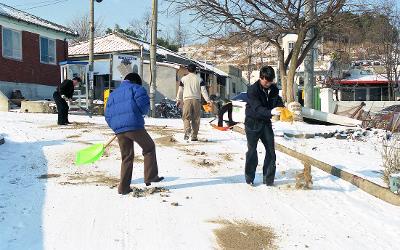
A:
(3, 47)
(55, 50)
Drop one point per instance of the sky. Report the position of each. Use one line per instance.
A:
(111, 12)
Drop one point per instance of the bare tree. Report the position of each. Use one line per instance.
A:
(81, 25)
(388, 41)
(141, 26)
(181, 34)
(268, 21)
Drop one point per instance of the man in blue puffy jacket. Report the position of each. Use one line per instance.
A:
(126, 107)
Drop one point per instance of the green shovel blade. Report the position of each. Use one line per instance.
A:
(89, 154)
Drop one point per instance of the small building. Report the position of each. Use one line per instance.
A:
(31, 49)
(362, 85)
(109, 69)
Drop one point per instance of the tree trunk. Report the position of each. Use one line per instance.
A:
(293, 65)
(290, 82)
(282, 73)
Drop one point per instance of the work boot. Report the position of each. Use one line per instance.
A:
(158, 179)
(249, 181)
(266, 182)
(124, 192)
(232, 123)
(194, 139)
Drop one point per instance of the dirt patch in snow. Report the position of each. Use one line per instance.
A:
(139, 192)
(163, 130)
(244, 235)
(73, 136)
(89, 126)
(97, 178)
(204, 163)
(226, 156)
(48, 176)
(166, 141)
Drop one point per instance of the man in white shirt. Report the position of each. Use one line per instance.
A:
(190, 90)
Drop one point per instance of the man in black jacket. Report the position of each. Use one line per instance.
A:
(65, 89)
(263, 100)
(220, 107)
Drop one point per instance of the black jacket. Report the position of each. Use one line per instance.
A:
(261, 101)
(66, 88)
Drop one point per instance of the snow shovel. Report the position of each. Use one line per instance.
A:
(86, 111)
(92, 153)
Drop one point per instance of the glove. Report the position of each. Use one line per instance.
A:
(276, 111)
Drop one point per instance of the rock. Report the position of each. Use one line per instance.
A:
(341, 136)
(36, 107)
(175, 204)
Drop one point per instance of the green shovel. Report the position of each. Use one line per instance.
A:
(92, 153)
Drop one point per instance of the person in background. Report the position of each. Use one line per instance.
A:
(64, 91)
(126, 107)
(263, 102)
(220, 107)
(191, 87)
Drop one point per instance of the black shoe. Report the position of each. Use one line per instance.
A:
(126, 191)
(268, 183)
(194, 139)
(186, 137)
(232, 123)
(158, 179)
(62, 123)
(250, 182)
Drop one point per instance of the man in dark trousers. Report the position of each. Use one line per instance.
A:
(263, 100)
(220, 107)
(65, 89)
(126, 107)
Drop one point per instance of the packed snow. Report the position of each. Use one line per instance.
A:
(46, 202)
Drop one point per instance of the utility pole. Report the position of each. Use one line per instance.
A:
(309, 80)
(153, 54)
(91, 60)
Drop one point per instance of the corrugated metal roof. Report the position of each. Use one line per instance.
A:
(10, 12)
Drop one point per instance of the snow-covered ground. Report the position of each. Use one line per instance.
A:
(46, 202)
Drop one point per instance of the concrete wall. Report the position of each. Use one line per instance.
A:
(166, 81)
(235, 83)
(4, 104)
(29, 91)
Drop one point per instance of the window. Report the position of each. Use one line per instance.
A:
(291, 46)
(47, 50)
(12, 44)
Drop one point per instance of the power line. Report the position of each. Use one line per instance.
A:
(33, 3)
(48, 4)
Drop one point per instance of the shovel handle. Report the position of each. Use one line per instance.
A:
(109, 141)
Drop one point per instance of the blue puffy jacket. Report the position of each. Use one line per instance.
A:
(126, 107)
